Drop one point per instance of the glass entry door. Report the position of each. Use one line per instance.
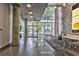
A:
(31, 28)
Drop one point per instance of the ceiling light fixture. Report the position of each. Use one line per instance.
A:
(28, 5)
(64, 4)
(30, 12)
(31, 16)
(59, 7)
(55, 7)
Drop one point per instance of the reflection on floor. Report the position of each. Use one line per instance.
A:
(31, 47)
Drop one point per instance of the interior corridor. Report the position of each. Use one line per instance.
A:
(28, 49)
(39, 29)
(31, 48)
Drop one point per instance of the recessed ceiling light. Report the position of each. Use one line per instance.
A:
(28, 5)
(64, 4)
(54, 6)
(30, 12)
(31, 16)
(59, 7)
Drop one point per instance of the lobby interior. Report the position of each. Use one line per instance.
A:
(39, 29)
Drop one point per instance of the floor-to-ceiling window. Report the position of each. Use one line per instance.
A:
(46, 26)
(52, 21)
(31, 28)
(48, 20)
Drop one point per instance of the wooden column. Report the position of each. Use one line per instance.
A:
(16, 16)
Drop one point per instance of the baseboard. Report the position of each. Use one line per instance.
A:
(8, 45)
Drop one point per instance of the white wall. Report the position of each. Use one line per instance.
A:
(4, 23)
(10, 22)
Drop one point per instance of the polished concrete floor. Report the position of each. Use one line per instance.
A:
(28, 48)
(31, 47)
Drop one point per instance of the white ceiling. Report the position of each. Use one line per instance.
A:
(37, 9)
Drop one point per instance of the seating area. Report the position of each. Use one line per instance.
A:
(69, 42)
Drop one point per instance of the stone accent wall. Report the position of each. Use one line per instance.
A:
(67, 19)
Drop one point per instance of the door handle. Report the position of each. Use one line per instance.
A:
(0, 29)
